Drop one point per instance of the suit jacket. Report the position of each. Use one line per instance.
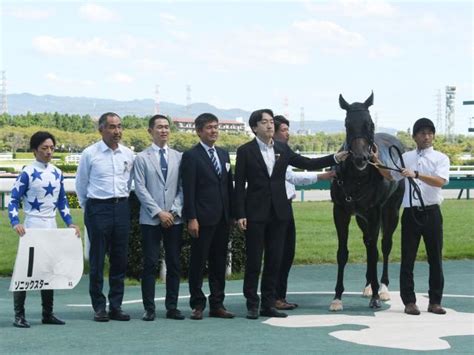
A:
(263, 191)
(154, 193)
(206, 196)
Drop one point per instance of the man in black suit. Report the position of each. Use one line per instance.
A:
(263, 210)
(207, 191)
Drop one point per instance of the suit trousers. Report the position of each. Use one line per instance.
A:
(172, 242)
(108, 227)
(211, 246)
(287, 259)
(432, 232)
(266, 236)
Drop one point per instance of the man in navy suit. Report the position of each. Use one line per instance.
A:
(207, 191)
(263, 210)
(158, 187)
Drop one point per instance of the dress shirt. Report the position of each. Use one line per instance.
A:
(427, 162)
(104, 173)
(298, 178)
(268, 154)
(157, 149)
(206, 148)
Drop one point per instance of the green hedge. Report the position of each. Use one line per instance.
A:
(135, 255)
(67, 168)
(7, 169)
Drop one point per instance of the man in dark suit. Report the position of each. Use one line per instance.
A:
(158, 187)
(207, 190)
(263, 209)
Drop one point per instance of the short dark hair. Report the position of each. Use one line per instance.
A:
(279, 120)
(151, 121)
(39, 137)
(103, 118)
(204, 118)
(256, 116)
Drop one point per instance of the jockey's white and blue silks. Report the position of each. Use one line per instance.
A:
(40, 188)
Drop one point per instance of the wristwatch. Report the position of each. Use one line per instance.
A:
(416, 174)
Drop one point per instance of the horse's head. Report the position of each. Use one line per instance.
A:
(359, 130)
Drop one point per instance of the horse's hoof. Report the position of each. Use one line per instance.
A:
(375, 302)
(367, 291)
(336, 305)
(384, 293)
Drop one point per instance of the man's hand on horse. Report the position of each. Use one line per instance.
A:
(341, 156)
(328, 175)
(374, 155)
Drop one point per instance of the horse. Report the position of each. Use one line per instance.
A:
(359, 189)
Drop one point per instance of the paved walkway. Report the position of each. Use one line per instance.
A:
(311, 328)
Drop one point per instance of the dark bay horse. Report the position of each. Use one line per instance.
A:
(359, 189)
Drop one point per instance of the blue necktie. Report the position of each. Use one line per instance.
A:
(163, 163)
(214, 161)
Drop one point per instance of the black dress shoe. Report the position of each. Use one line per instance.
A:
(101, 316)
(221, 313)
(252, 313)
(149, 316)
(118, 314)
(272, 312)
(52, 319)
(21, 322)
(174, 314)
(436, 308)
(196, 314)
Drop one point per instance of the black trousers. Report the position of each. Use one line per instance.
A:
(47, 297)
(210, 247)
(266, 236)
(432, 232)
(172, 241)
(108, 227)
(287, 260)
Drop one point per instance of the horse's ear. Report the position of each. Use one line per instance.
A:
(343, 103)
(370, 101)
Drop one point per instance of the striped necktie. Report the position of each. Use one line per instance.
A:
(163, 163)
(214, 161)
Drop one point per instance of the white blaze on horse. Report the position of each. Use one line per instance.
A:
(359, 189)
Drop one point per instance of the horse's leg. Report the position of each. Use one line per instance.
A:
(390, 217)
(370, 227)
(341, 221)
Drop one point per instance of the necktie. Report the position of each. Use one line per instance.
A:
(163, 163)
(214, 161)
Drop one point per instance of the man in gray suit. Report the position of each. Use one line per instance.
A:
(158, 187)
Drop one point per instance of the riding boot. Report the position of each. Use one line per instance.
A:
(47, 297)
(19, 308)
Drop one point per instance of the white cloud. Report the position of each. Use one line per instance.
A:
(151, 65)
(121, 78)
(56, 79)
(72, 47)
(167, 18)
(29, 13)
(97, 13)
(353, 8)
(329, 32)
(385, 51)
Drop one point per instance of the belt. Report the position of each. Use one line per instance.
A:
(420, 209)
(108, 200)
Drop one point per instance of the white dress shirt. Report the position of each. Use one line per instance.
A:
(206, 148)
(268, 154)
(427, 162)
(293, 178)
(104, 173)
(157, 149)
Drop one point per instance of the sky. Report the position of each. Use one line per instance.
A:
(249, 54)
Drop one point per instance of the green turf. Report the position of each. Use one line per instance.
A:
(316, 235)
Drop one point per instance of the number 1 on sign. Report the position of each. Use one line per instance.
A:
(31, 259)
